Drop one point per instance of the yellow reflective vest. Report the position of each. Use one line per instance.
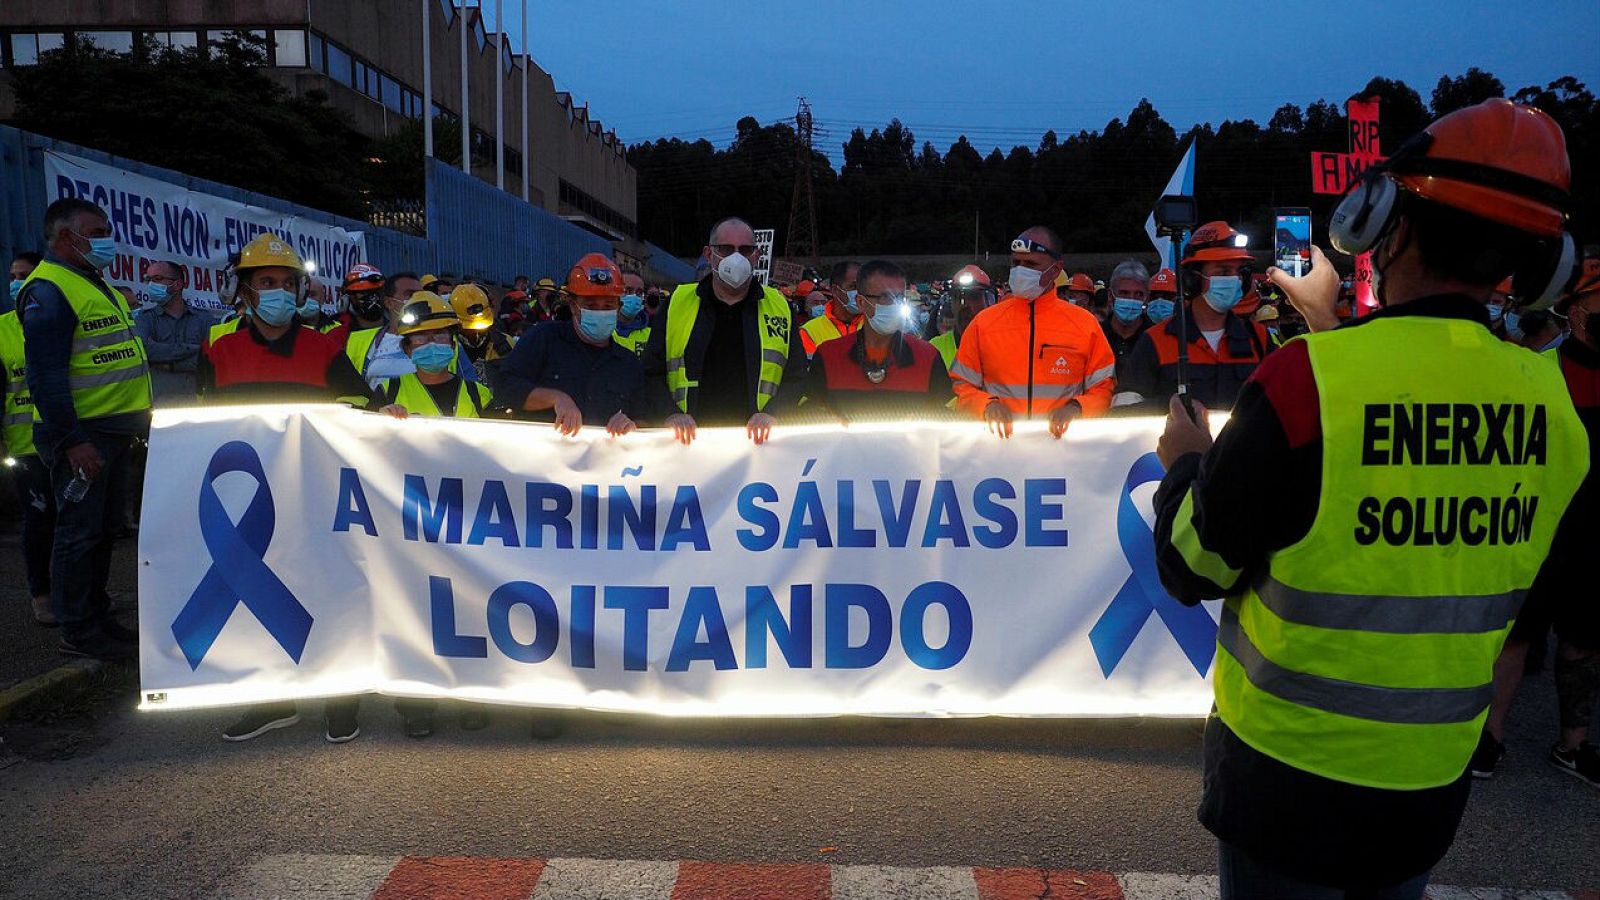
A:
(633, 340)
(1365, 652)
(946, 345)
(107, 370)
(16, 416)
(410, 392)
(773, 330)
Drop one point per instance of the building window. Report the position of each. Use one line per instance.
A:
(513, 161)
(24, 49)
(115, 41)
(449, 9)
(391, 95)
(339, 65)
(289, 48)
(317, 62)
(480, 33)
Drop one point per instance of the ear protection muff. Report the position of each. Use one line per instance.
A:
(1548, 273)
(1365, 214)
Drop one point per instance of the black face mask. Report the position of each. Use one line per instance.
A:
(368, 307)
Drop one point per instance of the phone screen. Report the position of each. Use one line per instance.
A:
(1291, 241)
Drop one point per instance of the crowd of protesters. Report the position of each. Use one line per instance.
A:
(601, 349)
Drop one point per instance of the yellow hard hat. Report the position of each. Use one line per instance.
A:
(471, 306)
(269, 250)
(426, 311)
(427, 281)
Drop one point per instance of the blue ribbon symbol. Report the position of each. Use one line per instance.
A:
(238, 573)
(1142, 594)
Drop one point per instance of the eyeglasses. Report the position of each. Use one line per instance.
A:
(1024, 245)
(730, 249)
(373, 278)
(166, 279)
(441, 336)
(883, 299)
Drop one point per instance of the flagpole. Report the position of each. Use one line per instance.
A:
(427, 81)
(526, 61)
(499, 95)
(466, 115)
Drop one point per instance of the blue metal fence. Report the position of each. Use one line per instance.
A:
(489, 235)
(667, 267)
(474, 229)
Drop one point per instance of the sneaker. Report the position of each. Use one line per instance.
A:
(341, 719)
(547, 725)
(103, 649)
(42, 614)
(258, 720)
(474, 717)
(1583, 762)
(1487, 756)
(419, 726)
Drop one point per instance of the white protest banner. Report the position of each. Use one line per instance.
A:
(763, 266)
(305, 551)
(156, 220)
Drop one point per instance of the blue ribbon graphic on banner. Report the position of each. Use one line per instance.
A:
(238, 572)
(1142, 594)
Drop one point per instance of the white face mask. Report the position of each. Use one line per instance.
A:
(734, 270)
(1025, 282)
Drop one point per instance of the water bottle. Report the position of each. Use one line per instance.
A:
(76, 488)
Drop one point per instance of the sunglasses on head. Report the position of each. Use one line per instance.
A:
(1023, 245)
(373, 278)
(730, 249)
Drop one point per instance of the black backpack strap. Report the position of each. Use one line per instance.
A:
(472, 394)
(391, 391)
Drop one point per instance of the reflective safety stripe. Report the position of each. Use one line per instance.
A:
(674, 365)
(1402, 706)
(24, 417)
(965, 374)
(103, 339)
(1186, 540)
(1012, 391)
(13, 387)
(767, 387)
(1391, 614)
(774, 357)
(1100, 376)
(132, 373)
(1056, 391)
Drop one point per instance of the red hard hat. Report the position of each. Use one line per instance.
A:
(1163, 282)
(1216, 242)
(363, 277)
(1498, 161)
(805, 287)
(1504, 287)
(595, 275)
(979, 276)
(1081, 282)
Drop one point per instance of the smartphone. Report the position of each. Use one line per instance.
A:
(1291, 240)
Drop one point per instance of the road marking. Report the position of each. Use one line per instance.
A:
(604, 879)
(309, 876)
(478, 878)
(879, 882)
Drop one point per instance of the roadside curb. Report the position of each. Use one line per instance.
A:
(58, 683)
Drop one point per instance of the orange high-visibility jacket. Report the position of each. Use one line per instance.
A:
(1034, 357)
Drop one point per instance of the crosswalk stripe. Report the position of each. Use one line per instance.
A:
(744, 881)
(1029, 884)
(438, 877)
(1150, 886)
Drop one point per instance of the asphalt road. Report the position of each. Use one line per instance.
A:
(108, 802)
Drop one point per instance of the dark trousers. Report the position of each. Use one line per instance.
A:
(80, 561)
(1245, 878)
(32, 478)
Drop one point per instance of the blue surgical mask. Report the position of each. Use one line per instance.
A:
(275, 307)
(1223, 292)
(850, 303)
(1496, 310)
(157, 291)
(1160, 310)
(631, 305)
(597, 325)
(817, 312)
(887, 318)
(310, 309)
(16, 287)
(1127, 309)
(433, 358)
(102, 250)
(1513, 325)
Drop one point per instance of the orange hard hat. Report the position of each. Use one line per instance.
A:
(363, 277)
(1080, 282)
(1217, 242)
(595, 275)
(805, 288)
(1587, 283)
(1163, 282)
(970, 275)
(1498, 161)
